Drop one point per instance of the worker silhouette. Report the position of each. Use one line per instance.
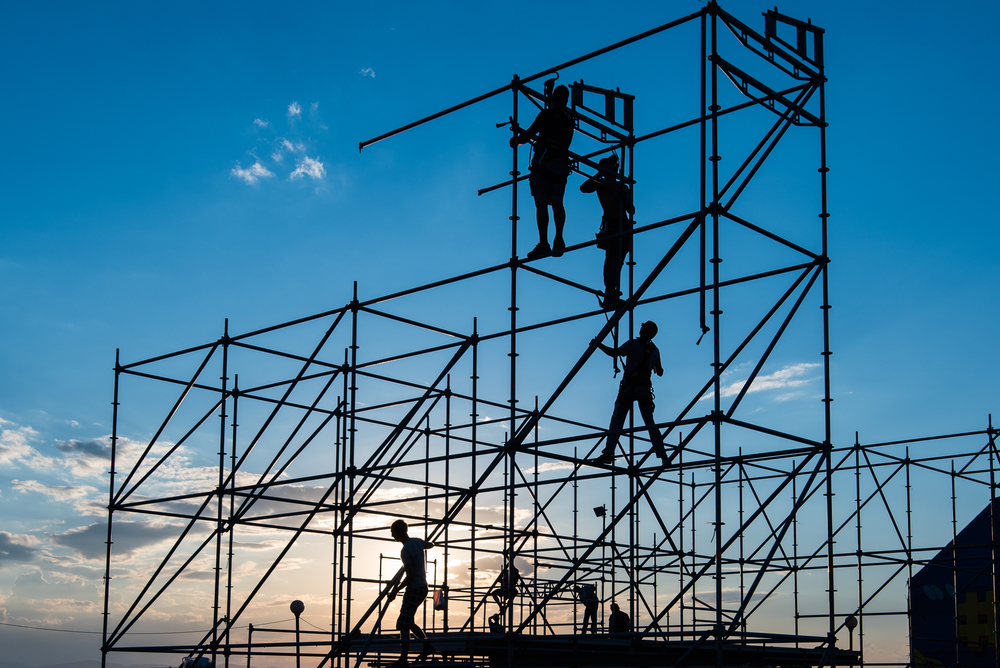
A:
(587, 593)
(510, 576)
(642, 358)
(415, 582)
(615, 235)
(619, 622)
(549, 168)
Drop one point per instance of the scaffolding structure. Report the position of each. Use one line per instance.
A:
(315, 434)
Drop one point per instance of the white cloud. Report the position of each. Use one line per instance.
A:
(56, 492)
(550, 466)
(284, 146)
(260, 123)
(308, 167)
(789, 377)
(15, 448)
(314, 106)
(367, 72)
(256, 172)
(294, 109)
(85, 500)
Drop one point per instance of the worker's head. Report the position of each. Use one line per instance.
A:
(398, 531)
(614, 607)
(648, 330)
(560, 96)
(609, 163)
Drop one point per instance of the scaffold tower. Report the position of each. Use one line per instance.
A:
(472, 419)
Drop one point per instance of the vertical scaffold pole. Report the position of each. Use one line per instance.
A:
(351, 469)
(340, 467)
(954, 561)
(717, 353)
(680, 542)
(111, 510)
(993, 536)
(220, 498)
(427, 504)
(232, 508)
(633, 482)
(795, 555)
(703, 186)
(534, 538)
(827, 398)
(473, 474)
(447, 497)
(740, 484)
(860, 547)
(509, 538)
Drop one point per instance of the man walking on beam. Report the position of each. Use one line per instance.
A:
(642, 358)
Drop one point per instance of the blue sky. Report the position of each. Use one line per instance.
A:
(171, 165)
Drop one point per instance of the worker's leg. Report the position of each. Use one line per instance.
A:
(542, 217)
(556, 191)
(646, 406)
(623, 403)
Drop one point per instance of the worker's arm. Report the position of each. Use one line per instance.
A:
(524, 136)
(608, 350)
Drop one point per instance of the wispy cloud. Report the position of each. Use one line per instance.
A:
(260, 123)
(550, 466)
(294, 109)
(252, 175)
(790, 377)
(367, 72)
(56, 492)
(283, 146)
(308, 167)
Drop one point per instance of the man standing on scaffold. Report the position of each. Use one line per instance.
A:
(415, 591)
(615, 236)
(549, 168)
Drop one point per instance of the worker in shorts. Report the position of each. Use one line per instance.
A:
(549, 168)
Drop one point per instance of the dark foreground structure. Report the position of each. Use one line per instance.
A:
(952, 599)
(465, 407)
